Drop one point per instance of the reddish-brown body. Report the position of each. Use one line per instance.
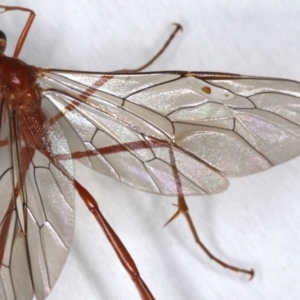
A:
(19, 88)
(19, 82)
(30, 132)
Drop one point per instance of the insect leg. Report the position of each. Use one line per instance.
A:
(26, 28)
(178, 27)
(3, 143)
(183, 209)
(26, 155)
(116, 149)
(92, 205)
(5, 225)
(102, 80)
(82, 97)
(117, 244)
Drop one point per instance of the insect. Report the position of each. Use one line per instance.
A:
(49, 117)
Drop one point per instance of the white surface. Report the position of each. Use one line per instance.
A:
(254, 224)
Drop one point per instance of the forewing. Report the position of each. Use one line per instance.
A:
(37, 215)
(120, 143)
(216, 124)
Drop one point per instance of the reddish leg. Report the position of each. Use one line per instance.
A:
(118, 246)
(178, 27)
(26, 28)
(183, 209)
(25, 158)
(114, 240)
(122, 253)
(120, 148)
(82, 97)
(3, 143)
(6, 224)
(181, 204)
(102, 80)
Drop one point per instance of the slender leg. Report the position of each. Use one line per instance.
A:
(5, 226)
(3, 143)
(103, 79)
(118, 148)
(114, 240)
(82, 97)
(26, 156)
(183, 209)
(30, 20)
(122, 253)
(182, 205)
(26, 28)
(178, 27)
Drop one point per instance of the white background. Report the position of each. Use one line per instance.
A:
(254, 224)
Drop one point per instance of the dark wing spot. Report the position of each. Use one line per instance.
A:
(206, 90)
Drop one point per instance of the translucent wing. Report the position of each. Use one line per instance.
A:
(37, 214)
(128, 126)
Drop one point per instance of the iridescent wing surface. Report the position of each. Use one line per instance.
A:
(37, 210)
(217, 125)
(128, 126)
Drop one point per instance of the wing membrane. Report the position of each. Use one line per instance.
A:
(37, 215)
(129, 155)
(146, 130)
(217, 125)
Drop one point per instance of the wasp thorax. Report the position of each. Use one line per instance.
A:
(28, 101)
(18, 84)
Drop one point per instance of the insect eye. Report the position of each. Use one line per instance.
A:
(2, 42)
